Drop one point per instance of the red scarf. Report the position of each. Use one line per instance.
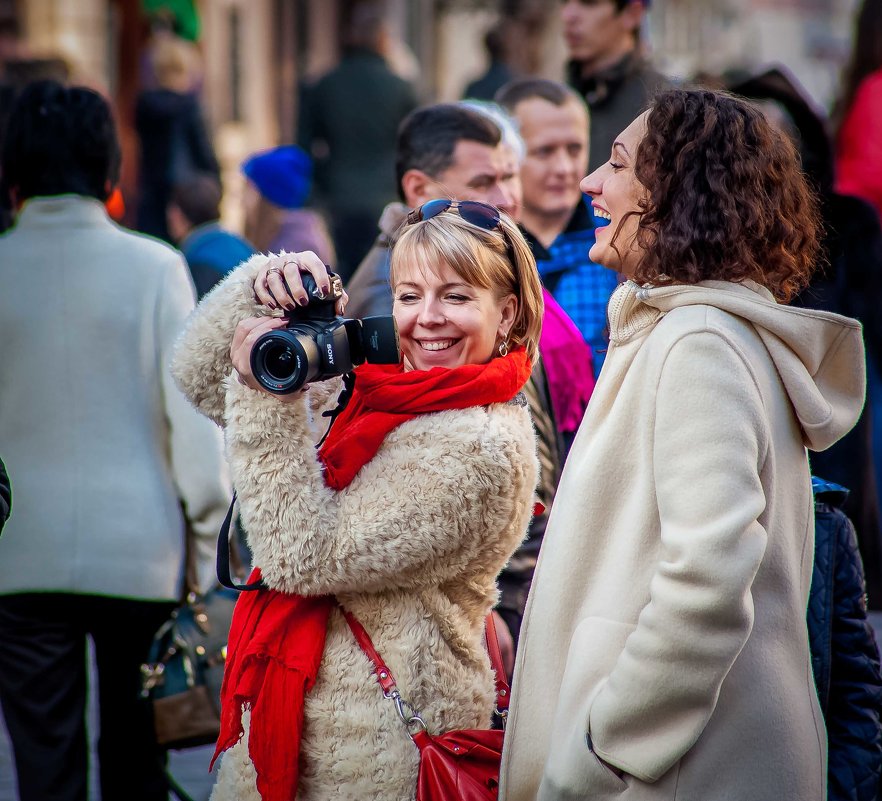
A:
(276, 639)
(385, 397)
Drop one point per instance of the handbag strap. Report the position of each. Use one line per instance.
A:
(502, 688)
(384, 675)
(387, 680)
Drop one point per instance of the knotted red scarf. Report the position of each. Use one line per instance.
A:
(385, 397)
(277, 640)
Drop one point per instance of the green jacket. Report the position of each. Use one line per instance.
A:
(349, 121)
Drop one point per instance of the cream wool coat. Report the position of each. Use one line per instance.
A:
(666, 623)
(412, 547)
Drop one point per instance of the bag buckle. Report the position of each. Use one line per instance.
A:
(409, 716)
(152, 675)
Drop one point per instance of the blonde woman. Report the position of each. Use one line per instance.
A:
(405, 514)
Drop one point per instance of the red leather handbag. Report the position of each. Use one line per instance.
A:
(458, 765)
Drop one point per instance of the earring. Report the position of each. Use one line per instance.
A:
(503, 348)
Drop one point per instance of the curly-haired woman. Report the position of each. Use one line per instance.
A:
(664, 652)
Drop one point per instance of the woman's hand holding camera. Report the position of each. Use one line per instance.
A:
(246, 334)
(278, 285)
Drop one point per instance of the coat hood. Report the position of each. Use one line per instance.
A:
(819, 355)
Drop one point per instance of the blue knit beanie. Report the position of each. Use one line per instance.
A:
(283, 175)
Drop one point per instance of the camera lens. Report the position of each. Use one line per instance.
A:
(280, 362)
(283, 361)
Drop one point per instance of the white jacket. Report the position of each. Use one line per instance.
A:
(101, 447)
(665, 630)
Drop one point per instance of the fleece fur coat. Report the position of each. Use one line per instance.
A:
(412, 546)
(665, 633)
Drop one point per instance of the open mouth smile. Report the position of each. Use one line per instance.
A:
(602, 216)
(437, 344)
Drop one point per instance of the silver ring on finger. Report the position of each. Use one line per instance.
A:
(277, 270)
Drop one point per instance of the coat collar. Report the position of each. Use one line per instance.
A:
(73, 211)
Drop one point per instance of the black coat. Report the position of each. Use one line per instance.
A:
(175, 145)
(845, 658)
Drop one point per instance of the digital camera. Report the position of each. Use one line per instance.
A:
(317, 344)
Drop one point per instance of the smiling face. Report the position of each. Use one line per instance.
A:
(443, 321)
(616, 194)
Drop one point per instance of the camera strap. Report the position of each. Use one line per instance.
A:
(342, 401)
(224, 575)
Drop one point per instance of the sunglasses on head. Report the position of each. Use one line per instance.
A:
(481, 215)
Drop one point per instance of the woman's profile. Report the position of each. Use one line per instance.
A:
(666, 622)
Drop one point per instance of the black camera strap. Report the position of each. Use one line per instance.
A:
(224, 575)
(342, 402)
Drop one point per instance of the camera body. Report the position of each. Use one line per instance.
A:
(317, 344)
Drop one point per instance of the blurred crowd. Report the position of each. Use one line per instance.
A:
(95, 542)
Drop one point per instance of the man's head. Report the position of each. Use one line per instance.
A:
(553, 123)
(59, 141)
(448, 150)
(599, 33)
(194, 202)
(365, 26)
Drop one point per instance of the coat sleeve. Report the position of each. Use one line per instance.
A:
(201, 360)
(663, 688)
(195, 444)
(369, 290)
(440, 500)
(855, 696)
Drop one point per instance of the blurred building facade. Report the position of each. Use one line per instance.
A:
(257, 52)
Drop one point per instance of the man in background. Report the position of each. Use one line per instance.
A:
(347, 124)
(194, 223)
(444, 150)
(109, 459)
(498, 72)
(607, 66)
(554, 125)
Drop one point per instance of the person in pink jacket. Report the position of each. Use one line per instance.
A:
(858, 113)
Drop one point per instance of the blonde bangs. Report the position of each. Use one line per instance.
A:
(470, 251)
(481, 259)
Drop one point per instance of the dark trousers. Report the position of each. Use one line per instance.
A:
(43, 677)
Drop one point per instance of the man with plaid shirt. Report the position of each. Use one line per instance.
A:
(553, 122)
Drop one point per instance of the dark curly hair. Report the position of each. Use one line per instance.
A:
(725, 197)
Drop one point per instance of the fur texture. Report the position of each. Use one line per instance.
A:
(412, 547)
